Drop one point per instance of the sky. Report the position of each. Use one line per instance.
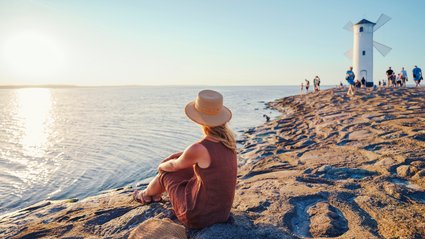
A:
(211, 42)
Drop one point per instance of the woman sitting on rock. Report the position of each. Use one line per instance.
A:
(200, 181)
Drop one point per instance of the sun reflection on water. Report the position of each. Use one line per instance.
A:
(34, 118)
(33, 126)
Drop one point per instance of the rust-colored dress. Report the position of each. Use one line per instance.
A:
(202, 197)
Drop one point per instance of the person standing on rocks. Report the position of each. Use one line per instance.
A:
(349, 76)
(307, 85)
(316, 82)
(302, 87)
(389, 73)
(201, 180)
(417, 75)
(398, 82)
(404, 79)
(363, 82)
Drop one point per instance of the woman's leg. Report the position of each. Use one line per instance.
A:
(164, 181)
(154, 189)
(151, 193)
(350, 90)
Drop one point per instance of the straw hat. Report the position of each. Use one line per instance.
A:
(208, 109)
(158, 229)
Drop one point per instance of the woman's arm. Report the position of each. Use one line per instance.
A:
(187, 159)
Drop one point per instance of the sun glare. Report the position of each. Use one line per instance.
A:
(33, 113)
(32, 55)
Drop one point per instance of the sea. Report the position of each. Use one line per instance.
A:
(60, 143)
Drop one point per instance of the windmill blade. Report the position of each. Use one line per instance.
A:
(349, 54)
(383, 49)
(349, 26)
(381, 21)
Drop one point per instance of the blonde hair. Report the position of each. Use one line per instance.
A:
(223, 134)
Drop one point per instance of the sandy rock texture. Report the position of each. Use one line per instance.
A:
(331, 166)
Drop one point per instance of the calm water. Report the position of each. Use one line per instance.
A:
(75, 142)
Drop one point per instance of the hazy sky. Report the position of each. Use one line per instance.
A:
(199, 42)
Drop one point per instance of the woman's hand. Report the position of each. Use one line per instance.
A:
(162, 165)
(160, 169)
(173, 156)
(167, 166)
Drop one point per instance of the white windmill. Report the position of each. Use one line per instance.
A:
(362, 51)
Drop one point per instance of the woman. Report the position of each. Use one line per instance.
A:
(200, 181)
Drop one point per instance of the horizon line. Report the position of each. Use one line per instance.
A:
(131, 85)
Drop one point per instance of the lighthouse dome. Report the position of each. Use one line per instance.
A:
(364, 21)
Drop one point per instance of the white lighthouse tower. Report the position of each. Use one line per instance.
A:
(362, 52)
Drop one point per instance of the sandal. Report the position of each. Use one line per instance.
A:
(138, 196)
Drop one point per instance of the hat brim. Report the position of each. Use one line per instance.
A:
(221, 118)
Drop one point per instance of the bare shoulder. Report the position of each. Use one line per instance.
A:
(199, 155)
(196, 149)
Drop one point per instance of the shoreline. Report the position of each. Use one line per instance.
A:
(329, 166)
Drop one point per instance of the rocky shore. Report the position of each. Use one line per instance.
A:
(330, 166)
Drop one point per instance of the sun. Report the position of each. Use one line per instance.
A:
(33, 55)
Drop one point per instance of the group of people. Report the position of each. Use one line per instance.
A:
(316, 84)
(401, 78)
(393, 80)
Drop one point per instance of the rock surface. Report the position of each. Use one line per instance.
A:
(330, 166)
(326, 221)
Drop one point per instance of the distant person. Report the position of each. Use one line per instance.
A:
(417, 75)
(394, 80)
(201, 180)
(302, 87)
(357, 84)
(341, 85)
(390, 74)
(307, 85)
(384, 83)
(398, 82)
(349, 76)
(316, 83)
(379, 83)
(267, 117)
(404, 77)
(363, 82)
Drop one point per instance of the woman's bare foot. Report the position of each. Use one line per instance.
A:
(139, 196)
